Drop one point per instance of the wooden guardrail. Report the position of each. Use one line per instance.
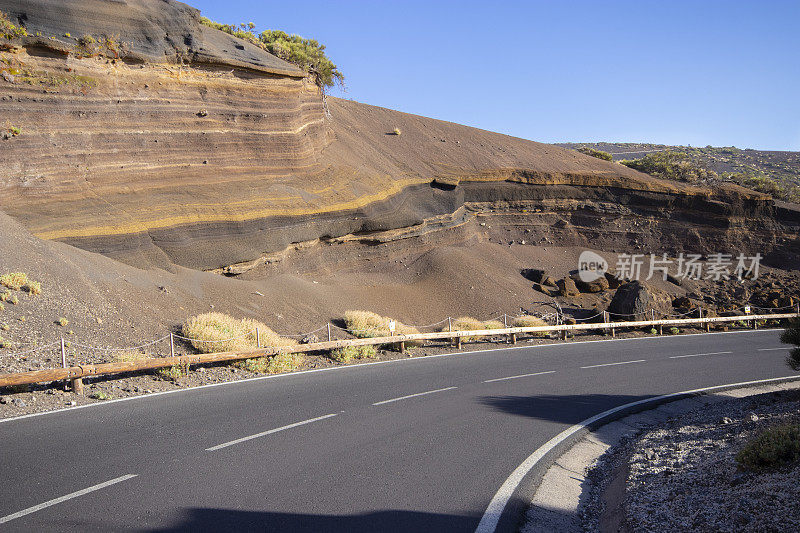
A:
(76, 373)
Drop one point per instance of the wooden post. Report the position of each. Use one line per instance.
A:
(171, 345)
(63, 358)
(77, 386)
(258, 339)
(513, 338)
(458, 343)
(329, 332)
(402, 346)
(660, 329)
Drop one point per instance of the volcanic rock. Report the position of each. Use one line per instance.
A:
(636, 299)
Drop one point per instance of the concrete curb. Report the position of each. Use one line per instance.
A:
(559, 490)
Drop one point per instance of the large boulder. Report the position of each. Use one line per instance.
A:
(567, 287)
(613, 281)
(634, 300)
(546, 290)
(598, 285)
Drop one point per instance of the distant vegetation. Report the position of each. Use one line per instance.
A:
(9, 30)
(599, 154)
(776, 173)
(308, 54)
(672, 166)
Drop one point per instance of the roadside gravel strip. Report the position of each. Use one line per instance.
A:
(566, 500)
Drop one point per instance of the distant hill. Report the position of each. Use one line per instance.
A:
(728, 162)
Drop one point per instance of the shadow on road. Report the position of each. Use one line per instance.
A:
(566, 408)
(204, 519)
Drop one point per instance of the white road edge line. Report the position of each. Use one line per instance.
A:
(615, 364)
(61, 499)
(269, 432)
(697, 355)
(773, 349)
(520, 376)
(491, 517)
(413, 395)
(360, 365)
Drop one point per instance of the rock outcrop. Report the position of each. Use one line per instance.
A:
(635, 300)
(197, 149)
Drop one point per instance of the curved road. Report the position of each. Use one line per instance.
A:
(414, 445)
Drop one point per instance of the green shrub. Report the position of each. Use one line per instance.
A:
(218, 332)
(307, 54)
(599, 154)
(63, 322)
(674, 331)
(171, 373)
(653, 331)
(100, 395)
(776, 447)
(348, 353)
(792, 336)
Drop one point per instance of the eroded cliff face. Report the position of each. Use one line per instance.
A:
(215, 156)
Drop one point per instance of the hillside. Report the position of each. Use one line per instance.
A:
(158, 162)
(163, 168)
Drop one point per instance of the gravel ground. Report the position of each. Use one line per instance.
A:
(682, 476)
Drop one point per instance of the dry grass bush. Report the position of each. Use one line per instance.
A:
(348, 353)
(367, 325)
(530, 322)
(14, 280)
(32, 287)
(282, 362)
(130, 356)
(467, 323)
(218, 332)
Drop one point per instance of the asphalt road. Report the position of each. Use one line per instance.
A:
(351, 449)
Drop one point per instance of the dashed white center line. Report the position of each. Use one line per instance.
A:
(697, 355)
(614, 364)
(519, 376)
(413, 395)
(270, 432)
(55, 501)
(773, 349)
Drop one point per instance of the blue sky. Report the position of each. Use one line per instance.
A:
(675, 72)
